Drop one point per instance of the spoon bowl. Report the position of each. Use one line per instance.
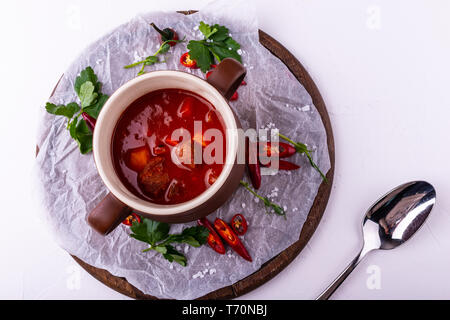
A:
(390, 222)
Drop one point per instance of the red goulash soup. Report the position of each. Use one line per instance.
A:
(143, 150)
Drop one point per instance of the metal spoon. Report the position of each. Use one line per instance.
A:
(391, 221)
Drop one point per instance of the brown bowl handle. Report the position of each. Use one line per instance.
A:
(108, 214)
(227, 77)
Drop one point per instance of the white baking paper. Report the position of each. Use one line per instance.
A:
(69, 186)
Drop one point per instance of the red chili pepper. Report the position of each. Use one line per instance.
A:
(186, 61)
(283, 150)
(131, 218)
(214, 240)
(166, 35)
(254, 170)
(89, 121)
(284, 165)
(231, 238)
(235, 96)
(239, 224)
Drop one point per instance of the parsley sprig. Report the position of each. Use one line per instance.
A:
(216, 45)
(270, 206)
(156, 234)
(303, 149)
(150, 60)
(88, 90)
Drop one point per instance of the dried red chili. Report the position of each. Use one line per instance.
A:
(131, 218)
(214, 240)
(231, 238)
(254, 170)
(283, 150)
(239, 224)
(89, 121)
(284, 165)
(166, 35)
(186, 61)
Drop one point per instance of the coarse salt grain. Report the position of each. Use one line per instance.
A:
(212, 271)
(243, 205)
(306, 108)
(198, 275)
(239, 52)
(171, 266)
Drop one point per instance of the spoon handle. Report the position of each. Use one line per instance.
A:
(336, 283)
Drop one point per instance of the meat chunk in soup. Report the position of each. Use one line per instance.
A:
(154, 178)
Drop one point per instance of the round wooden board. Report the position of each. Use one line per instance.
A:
(274, 266)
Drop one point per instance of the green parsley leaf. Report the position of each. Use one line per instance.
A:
(85, 76)
(222, 51)
(62, 110)
(206, 29)
(94, 109)
(83, 137)
(81, 133)
(231, 43)
(174, 255)
(201, 54)
(92, 100)
(221, 34)
(217, 45)
(156, 234)
(150, 231)
(87, 94)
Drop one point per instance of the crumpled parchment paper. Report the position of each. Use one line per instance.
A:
(70, 186)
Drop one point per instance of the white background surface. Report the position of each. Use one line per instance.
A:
(383, 70)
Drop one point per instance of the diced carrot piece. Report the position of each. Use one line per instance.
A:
(139, 158)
